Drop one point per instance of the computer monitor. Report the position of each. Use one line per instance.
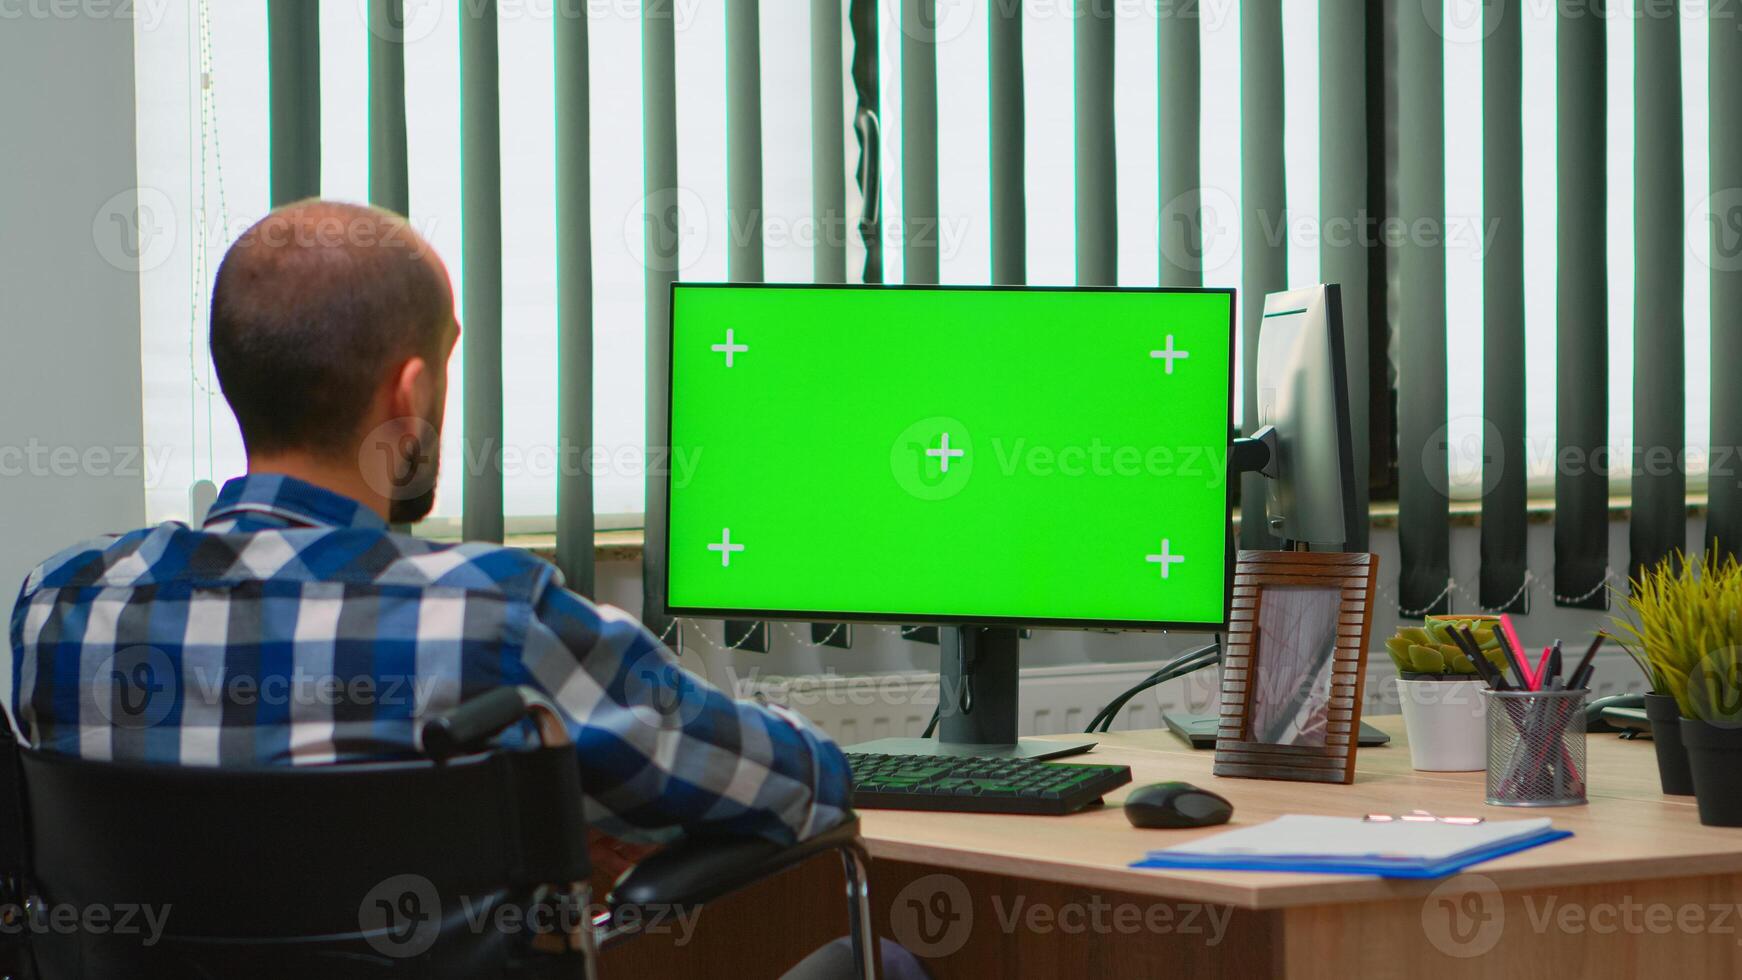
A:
(1303, 442)
(991, 458)
(1301, 377)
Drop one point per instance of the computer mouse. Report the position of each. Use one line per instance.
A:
(1175, 806)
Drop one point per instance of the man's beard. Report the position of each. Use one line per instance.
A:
(421, 469)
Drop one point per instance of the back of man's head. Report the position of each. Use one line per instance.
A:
(313, 307)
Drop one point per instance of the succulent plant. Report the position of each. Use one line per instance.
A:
(1427, 652)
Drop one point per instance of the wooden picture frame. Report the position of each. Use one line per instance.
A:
(1291, 708)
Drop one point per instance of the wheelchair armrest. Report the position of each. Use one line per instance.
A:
(700, 870)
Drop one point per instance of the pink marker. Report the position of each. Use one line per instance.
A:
(1516, 653)
(1517, 648)
(1541, 677)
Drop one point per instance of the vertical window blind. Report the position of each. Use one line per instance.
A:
(1659, 525)
(1720, 250)
(480, 257)
(1504, 583)
(1343, 192)
(1424, 540)
(1264, 201)
(574, 159)
(575, 300)
(664, 217)
(744, 204)
(1581, 490)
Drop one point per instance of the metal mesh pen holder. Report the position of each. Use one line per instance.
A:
(1536, 748)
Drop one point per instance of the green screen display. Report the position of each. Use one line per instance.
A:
(950, 455)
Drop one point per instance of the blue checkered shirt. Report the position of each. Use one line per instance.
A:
(296, 629)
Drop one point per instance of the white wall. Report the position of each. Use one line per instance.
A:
(71, 462)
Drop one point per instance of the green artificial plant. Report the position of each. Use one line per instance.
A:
(1682, 625)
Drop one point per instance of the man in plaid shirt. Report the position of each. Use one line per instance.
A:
(295, 628)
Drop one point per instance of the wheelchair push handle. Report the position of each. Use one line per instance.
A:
(470, 726)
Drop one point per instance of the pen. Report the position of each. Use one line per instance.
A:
(1514, 653)
(1532, 717)
(1582, 673)
(1466, 641)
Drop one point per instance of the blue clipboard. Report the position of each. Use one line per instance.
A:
(1382, 867)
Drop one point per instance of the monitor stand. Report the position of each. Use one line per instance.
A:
(1199, 731)
(978, 668)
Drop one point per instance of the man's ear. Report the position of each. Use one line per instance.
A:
(414, 390)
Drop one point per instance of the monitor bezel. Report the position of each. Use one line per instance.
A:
(932, 619)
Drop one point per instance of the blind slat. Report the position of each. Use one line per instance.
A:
(294, 99)
(1264, 195)
(919, 162)
(1582, 302)
(744, 252)
(828, 190)
(1178, 51)
(1096, 157)
(389, 173)
(1423, 466)
(574, 296)
(481, 270)
(1724, 523)
(659, 178)
(828, 151)
(389, 178)
(1343, 198)
(1660, 515)
(743, 141)
(1007, 163)
(919, 141)
(1504, 475)
(862, 16)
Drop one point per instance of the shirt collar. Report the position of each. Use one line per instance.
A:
(290, 499)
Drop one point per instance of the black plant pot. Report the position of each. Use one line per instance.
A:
(1666, 734)
(1715, 756)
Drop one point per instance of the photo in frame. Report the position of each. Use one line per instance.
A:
(1295, 665)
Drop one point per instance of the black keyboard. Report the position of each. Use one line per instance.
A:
(978, 785)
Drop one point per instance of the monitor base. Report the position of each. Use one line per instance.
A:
(1199, 731)
(1023, 748)
(977, 702)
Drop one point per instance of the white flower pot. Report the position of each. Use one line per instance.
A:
(1446, 722)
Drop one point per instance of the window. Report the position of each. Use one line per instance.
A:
(1464, 254)
(202, 93)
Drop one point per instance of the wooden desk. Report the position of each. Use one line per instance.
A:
(1641, 888)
